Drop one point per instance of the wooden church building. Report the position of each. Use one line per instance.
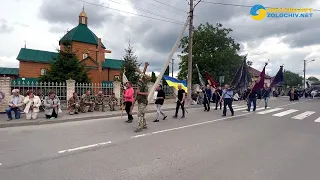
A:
(88, 47)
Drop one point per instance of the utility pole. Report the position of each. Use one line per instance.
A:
(190, 51)
(172, 67)
(304, 74)
(304, 71)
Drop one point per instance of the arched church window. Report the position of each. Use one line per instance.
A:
(84, 56)
(43, 72)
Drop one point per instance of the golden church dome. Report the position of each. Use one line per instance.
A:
(83, 14)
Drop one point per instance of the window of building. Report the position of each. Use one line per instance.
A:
(43, 72)
(83, 20)
(84, 56)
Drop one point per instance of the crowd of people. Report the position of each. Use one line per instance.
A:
(31, 104)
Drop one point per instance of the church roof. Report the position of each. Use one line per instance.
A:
(38, 56)
(81, 33)
(9, 71)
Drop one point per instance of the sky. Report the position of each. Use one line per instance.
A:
(41, 23)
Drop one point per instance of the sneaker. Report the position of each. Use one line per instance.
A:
(9, 119)
(156, 120)
(174, 116)
(182, 117)
(129, 121)
(138, 130)
(223, 115)
(145, 127)
(232, 114)
(76, 113)
(52, 118)
(164, 118)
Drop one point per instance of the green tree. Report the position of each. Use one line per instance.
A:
(167, 72)
(131, 64)
(153, 77)
(213, 50)
(66, 66)
(314, 79)
(292, 79)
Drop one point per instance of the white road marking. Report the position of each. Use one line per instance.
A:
(269, 111)
(84, 147)
(258, 109)
(317, 120)
(303, 115)
(187, 126)
(239, 109)
(285, 113)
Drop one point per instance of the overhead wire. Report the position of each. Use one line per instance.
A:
(100, 5)
(169, 5)
(143, 10)
(239, 5)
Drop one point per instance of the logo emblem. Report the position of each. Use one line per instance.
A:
(258, 12)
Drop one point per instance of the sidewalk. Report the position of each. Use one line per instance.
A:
(65, 117)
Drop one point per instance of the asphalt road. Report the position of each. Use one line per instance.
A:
(278, 143)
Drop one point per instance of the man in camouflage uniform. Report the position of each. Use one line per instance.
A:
(86, 104)
(142, 98)
(74, 104)
(113, 102)
(100, 102)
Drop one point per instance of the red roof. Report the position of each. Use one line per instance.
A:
(256, 73)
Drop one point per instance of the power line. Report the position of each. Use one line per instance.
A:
(239, 5)
(99, 5)
(143, 10)
(169, 10)
(170, 6)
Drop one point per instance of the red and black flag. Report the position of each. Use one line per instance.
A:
(260, 82)
(211, 82)
(242, 78)
(278, 79)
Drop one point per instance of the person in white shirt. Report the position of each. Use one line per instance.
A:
(313, 93)
(236, 97)
(32, 103)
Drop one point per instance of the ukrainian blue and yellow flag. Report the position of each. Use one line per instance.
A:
(173, 82)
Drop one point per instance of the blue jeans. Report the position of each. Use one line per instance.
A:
(266, 101)
(254, 101)
(16, 112)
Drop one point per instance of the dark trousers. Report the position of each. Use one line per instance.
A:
(218, 102)
(16, 112)
(206, 104)
(128, 108)
(254, 102)
(227, 102)
(182, 108)
(54, 114)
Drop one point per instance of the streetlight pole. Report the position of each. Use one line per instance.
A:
(172, 67)
(304, 71)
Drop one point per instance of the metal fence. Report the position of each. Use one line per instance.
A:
(41, 89)
(106, 88)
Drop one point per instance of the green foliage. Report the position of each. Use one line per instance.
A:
(314, 79)
(130, 64)
(66, 66)
(292, 79)
(213, 50)
(167, 73)
(153, 77)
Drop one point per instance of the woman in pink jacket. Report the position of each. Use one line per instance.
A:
(128, 100)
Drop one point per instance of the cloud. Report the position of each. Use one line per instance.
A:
(58, 13)
(4, 27)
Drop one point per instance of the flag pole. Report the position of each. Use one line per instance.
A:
(166, 63)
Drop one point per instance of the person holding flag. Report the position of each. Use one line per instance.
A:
(251, 97)
(218, 93)
(266, 94)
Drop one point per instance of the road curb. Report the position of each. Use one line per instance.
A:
(43, 122)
